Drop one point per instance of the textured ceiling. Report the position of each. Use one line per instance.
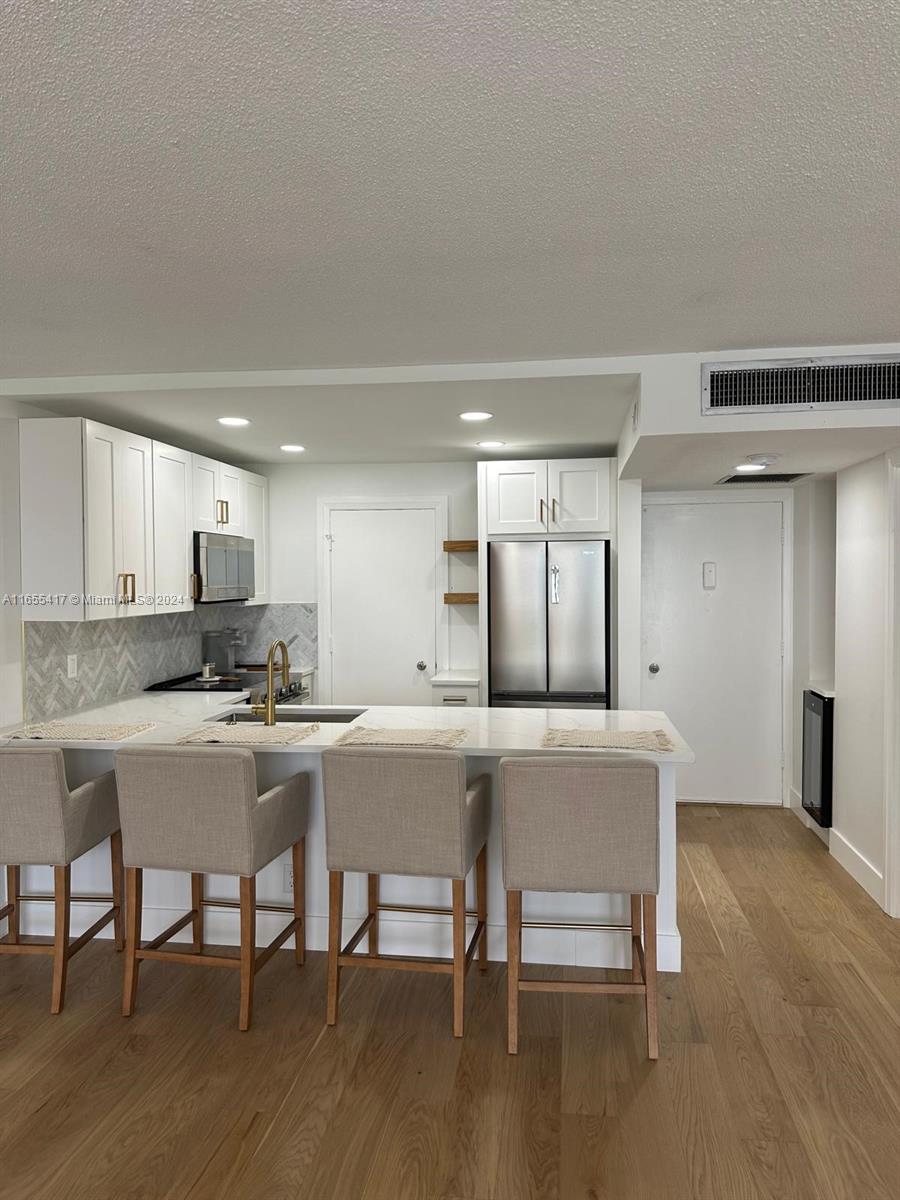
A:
(415, 422)
(190, 185)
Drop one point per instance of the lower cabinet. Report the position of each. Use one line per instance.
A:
(454, 695)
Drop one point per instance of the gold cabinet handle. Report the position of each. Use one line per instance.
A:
(220, 509)
(195, 586)
(133, 578)
(227, 504)
(553, 510)
(123, 595)
(543, 506)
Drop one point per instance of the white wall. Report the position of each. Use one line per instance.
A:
(10, 577)
(861, 672)
(814, 582)
(296, 489)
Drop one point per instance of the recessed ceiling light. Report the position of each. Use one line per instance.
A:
(293, 449)
(491, 445)
(233, 421)
(756, 462)
(475, 416)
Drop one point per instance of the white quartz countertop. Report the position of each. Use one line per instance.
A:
(490, 731)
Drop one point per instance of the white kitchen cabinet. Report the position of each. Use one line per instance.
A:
(173, 527)
(255, 511)
(218, 499)
(548, 496)
(578, 495)
(87, 520)
(517, 497)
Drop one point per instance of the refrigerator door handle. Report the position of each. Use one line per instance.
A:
(554, 584)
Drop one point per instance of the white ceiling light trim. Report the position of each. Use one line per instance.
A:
(756, 462)
(236, 422)
(475, 416)
(292, 448)
(490, 445)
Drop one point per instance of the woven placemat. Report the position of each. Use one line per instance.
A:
(71, 731)
(249, 735)
(655, 740)
(438, 739)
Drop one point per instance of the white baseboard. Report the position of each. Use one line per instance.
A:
(855, 864)
(796, 807)
(397, 936)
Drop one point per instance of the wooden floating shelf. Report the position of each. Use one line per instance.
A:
(460, 597)
(460, 547)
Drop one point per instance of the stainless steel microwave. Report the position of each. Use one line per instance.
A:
(223, 568)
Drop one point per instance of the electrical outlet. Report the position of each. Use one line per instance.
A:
(72, 666)
(288, 885)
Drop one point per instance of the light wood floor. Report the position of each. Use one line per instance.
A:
(779, 1076)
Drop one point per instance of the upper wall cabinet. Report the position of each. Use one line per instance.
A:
(255, 509)
(555, 496)
(218, 497)
(87, 520)
(173, 527)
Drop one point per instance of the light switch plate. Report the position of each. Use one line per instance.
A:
(709, 575)
(72, 666)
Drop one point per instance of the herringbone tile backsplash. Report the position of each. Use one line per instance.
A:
(121, 656)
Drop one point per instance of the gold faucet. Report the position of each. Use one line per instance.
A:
(268, 709)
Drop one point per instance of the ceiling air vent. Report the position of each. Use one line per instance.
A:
(810, 383)
(755, 479)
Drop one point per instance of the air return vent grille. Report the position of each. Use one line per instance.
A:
(756, 479)
(811, 383)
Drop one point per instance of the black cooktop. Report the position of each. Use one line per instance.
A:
(240, 681)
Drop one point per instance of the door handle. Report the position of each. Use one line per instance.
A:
(219, 518)
(553, 507)
(133, 597)
(554, 584)
(421, 665)
(543, 506)
(123, 595)
(227, 504)
(654, 668)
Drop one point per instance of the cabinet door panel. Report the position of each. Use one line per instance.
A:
(579, 495)
(230, 490)
(134, 510)
(102, 550)
(256, 526)
(206, 492)
(172, 527)
(517, 494)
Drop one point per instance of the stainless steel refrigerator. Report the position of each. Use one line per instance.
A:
(549, 624)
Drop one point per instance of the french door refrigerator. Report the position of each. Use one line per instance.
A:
(549, 624)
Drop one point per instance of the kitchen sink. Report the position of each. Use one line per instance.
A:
(294, 716)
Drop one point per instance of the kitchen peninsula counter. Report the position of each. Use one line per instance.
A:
(491, 733)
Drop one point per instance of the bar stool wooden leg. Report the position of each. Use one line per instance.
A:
(459, 955)
(373, 913)
(134, 888)
(196, 912)
(513, 966)
(62, 904)
(118, 888)
(481, 905)
(13, 887)
(649, 904)
(335, 920)
(248, 948)
(636, 975)
(298, 863)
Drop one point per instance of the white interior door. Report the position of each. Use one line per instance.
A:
(712, 624)
(384, 575)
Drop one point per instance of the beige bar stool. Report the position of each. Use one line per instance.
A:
(196, 809)
(582, 825)
(404, 812)
(43, 823)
